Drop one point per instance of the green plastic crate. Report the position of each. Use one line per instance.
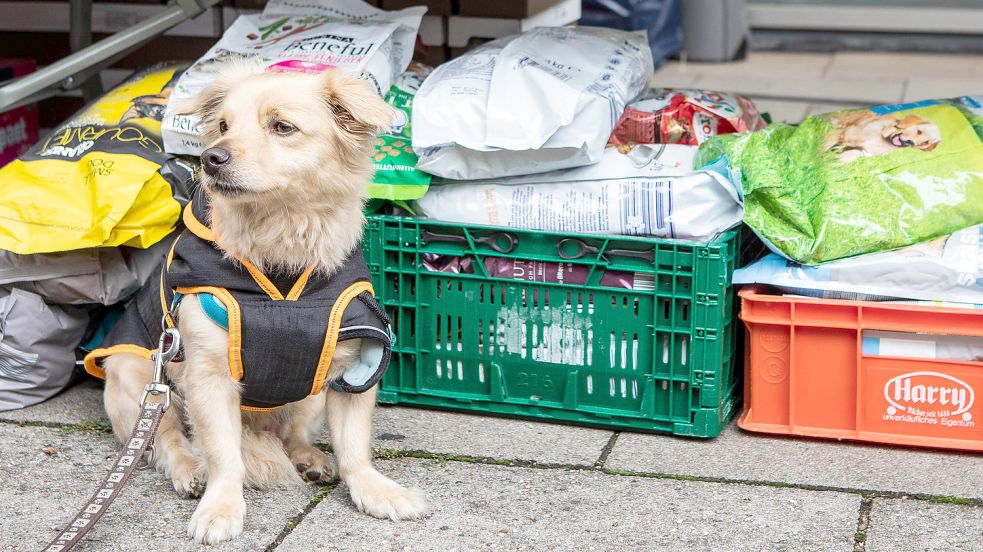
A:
(660, 359)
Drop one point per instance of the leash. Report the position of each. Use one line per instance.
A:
(141, 439)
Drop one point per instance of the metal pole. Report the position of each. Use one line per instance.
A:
(80, 36)
(68, 71)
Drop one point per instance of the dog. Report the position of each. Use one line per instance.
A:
(285, 180)
(864, 133)
(151, 106)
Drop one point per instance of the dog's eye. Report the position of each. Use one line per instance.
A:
(223, 127)
(282, 127)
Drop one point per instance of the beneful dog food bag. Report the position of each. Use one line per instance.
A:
(948, 269)
(682, 116)
(861, 181)
(650, 191)
(305, 36)
(102, 178)
(396, 176)
(536, 102)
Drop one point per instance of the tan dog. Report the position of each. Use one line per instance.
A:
(286, 194)
(864, 133)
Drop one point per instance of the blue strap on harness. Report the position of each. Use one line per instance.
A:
(212, 307)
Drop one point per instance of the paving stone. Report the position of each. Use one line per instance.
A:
(740, 455)
(922, 526)
(818, 108)
(894, 64)
(941, 87)
(39, 493)
(493, 507)
(399, 428)
(782, 111)
(767, 65)
(82, 401)
(849, 90)
(673, 76)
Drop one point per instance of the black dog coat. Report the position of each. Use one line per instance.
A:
(280, 345)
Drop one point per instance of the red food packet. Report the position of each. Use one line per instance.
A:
(682, 116)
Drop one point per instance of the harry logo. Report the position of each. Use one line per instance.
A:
(930, 394)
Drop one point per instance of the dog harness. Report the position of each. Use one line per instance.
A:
(283, 330)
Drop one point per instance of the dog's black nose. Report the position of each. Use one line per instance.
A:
(213, 159)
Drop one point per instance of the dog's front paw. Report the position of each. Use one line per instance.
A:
(381, 497)
(313, 465)
(217, 520)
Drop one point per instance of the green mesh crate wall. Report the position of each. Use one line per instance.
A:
(659, 359)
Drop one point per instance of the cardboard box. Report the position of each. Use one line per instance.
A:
(433, 30)
(434, 7)
(461, 29)
(510, 9)
(18, 127)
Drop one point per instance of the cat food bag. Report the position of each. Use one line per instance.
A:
(305, 36)
(683, 116)
(396, 176)
(543, 100)
(860, 181)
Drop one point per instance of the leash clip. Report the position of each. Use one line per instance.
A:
(167, 349)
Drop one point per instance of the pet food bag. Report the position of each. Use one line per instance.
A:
(306, 36)
(37, 347)
(948, 269)
(648, 191)
(682, 116)
(540, 101)
(396, 176)
(529, 270)
(102, 275)
(100, 179)
(854, 182)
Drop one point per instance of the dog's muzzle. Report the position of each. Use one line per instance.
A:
(213, 160)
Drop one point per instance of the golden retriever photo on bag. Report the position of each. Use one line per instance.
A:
(865, 134)
(269, 291)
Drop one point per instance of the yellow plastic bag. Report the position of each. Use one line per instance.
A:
(102, 178)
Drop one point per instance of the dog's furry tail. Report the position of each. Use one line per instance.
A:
(266, 462)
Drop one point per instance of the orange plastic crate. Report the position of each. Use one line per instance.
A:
(806, 373)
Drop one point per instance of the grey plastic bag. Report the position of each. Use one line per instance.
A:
(104, 275)
(37, 347)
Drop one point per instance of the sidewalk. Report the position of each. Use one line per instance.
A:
(513, 485)
(792, 86)
(503, 484)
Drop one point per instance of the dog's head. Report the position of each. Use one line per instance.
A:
(913, 132)
(289, 137)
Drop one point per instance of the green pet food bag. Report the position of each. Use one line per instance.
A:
(861, 181)
(396, 176)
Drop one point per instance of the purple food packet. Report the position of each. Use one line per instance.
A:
(537, 271)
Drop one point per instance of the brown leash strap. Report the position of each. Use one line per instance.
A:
(142, 436)
(137, 444)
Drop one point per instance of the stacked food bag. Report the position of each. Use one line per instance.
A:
(85, 217)
(519, 133)
(883, 203)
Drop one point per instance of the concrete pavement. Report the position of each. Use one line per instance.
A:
(495, 483)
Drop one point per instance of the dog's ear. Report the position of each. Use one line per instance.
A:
(358, 110)
(911, 120)
(207, 104)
